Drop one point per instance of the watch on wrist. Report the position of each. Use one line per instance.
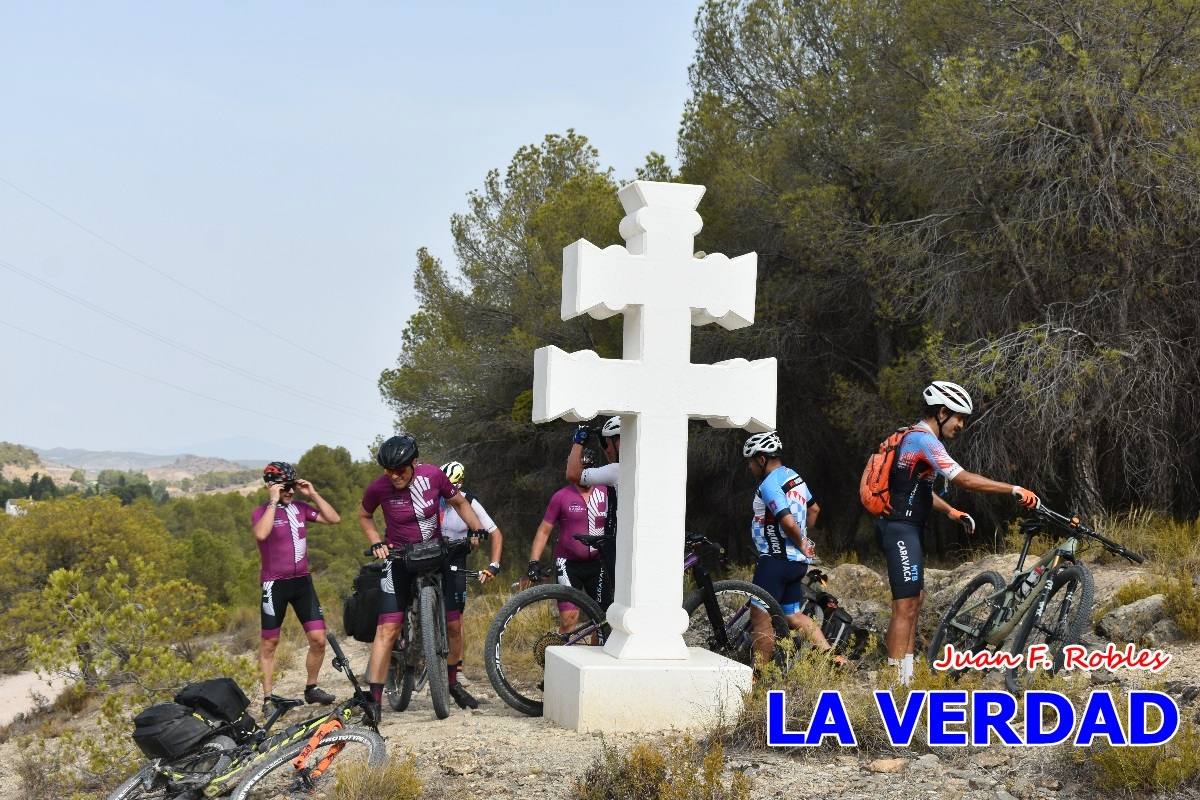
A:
(494, 568)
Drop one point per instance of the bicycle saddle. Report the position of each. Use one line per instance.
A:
(285, 702)
(592, 539)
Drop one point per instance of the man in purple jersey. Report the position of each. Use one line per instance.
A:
(409, 495)
(283, 547)
(574, 509)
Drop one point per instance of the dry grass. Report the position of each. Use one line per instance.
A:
(394, 780)
(682, 770)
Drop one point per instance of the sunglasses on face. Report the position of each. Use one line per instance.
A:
(289, 487)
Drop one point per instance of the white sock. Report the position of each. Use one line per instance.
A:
(906, 669)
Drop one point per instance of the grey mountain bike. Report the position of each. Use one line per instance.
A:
(1047, 603)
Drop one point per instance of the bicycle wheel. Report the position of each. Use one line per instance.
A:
(968, 617)
(406, 672)
(734, 637)
(514, 652)
(187, 773)
(433, 645)
(1064, 619)
(346, 749)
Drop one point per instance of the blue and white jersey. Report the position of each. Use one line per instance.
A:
(781, 492)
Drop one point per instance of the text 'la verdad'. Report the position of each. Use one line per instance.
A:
(958, 718)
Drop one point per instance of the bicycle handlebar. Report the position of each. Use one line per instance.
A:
(452, 545)
(1074, 525)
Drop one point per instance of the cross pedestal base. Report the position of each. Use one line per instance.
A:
(588, 690)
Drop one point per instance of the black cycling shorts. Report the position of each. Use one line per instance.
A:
(300, 593)
(783, 580)
(457, 600)
(395, 593)
(586, 576)
(901, 546)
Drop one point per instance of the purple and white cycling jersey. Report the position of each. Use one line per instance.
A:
(284, 552)
(411, 513)
(574, 514)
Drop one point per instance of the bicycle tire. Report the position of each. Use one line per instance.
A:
(990, 582)
(280, 763)
(732, 597)
(399, 690)
(1060, 625)
(518, 687)
(134, 787)
(433, 633)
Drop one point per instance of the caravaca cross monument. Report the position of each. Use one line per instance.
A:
(645, 678)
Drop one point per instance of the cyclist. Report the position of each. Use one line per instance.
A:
(453, 528)
(575, 509)
(606, 475)
(408, 493)
(920, 458)
(784, 510)
(283, 548)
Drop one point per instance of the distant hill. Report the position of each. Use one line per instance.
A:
(96, 460)
(18, 455)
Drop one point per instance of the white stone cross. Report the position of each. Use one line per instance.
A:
(662, 290)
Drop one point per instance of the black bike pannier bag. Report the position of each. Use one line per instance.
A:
(169, 730)
(220, 698)
(424, 556)
(360, 611)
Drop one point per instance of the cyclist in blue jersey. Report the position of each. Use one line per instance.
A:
(920, 458)
(784, 510)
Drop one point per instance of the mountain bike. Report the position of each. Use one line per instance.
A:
(419, 655)
(1048, 603)
(298, 758)
(718, 620)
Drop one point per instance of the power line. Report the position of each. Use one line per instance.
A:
(187, 348)
(176, 281)
(176, 386)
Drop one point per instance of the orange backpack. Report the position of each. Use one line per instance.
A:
(873, 488)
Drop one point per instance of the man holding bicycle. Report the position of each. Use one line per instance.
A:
(280, 527)
(607, 475)
(454, 528)
(409, 494)
(783, 511)
(575, 510)
(920, 457)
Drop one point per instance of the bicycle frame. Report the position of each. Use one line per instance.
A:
(703, 581)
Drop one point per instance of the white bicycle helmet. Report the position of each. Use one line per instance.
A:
(950, 395)
(611, 427)
(767, 443)
(455, 471)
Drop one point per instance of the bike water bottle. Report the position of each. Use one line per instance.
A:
(1030, 582)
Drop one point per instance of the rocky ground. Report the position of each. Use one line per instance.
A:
(496, 752)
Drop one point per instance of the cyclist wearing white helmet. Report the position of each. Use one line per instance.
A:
(920, 458)
(454, 528)
(606, 475)
(784, 510)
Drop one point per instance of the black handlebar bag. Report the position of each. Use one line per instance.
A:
(426, 556)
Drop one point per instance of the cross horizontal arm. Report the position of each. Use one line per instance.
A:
(579, 386)
(601, 283)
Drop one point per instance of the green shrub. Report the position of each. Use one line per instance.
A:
(679, 771)
(394, 780)
(1183, 604)
(1136, 770)
(131, 640)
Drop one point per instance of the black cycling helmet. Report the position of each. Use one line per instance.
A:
(397, 451)
(278, 472)
(588, 458)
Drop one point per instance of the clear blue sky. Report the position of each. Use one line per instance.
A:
(287, 160)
